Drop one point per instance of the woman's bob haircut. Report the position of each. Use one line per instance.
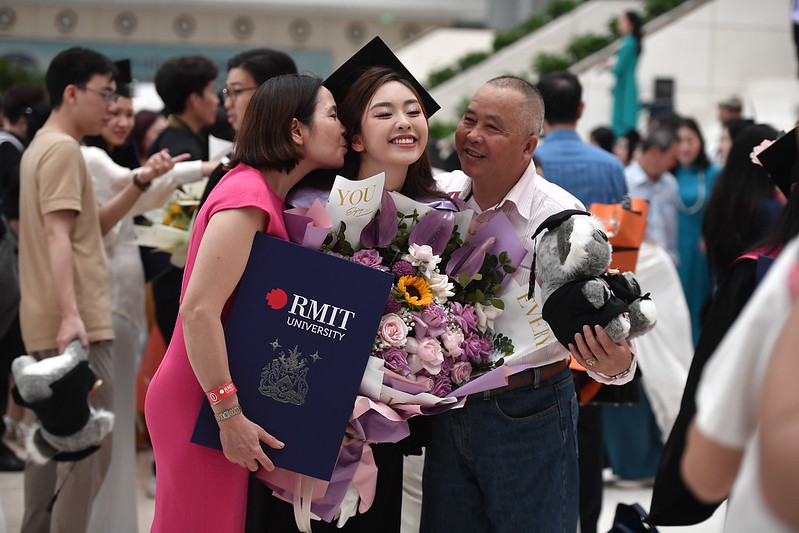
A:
(264, 139)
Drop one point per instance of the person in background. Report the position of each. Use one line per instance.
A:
(626, 147)
(725, 443)
(593, 175)
(742, 204)
(729, 132)
(64, 277)
(695, 178)
(114, 510)
(186, 84)
(589, 173)
(603, 137)
(672, 502)
(625, 91)
(148, 125)
(290, 129)
(17, 109)
(246, 72)
(649, 178)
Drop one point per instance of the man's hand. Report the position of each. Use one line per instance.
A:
(599, 353)
(71, 328)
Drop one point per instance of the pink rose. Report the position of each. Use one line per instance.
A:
(369, 257)
(452, 339)
(461, 372)
(422, 257)
(486, 315)
(393, 331)
(424, 353)
(440, 286)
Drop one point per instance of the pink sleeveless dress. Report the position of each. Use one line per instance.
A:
(198, 489)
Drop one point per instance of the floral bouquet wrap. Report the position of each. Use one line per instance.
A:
(435, 336)
(169, 227)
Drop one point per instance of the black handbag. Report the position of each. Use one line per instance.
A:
(631, 519)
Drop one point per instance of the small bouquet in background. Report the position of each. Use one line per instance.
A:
(169, 227)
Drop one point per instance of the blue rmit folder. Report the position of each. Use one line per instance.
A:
(298, 336)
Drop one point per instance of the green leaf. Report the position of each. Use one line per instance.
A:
(496, 302)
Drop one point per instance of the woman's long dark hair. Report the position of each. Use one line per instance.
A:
(738, 208)
(638, 30)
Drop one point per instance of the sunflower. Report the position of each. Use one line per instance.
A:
(415, 291)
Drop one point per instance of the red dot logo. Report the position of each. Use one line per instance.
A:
(277, 298)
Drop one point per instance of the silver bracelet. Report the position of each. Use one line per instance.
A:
(224, 415)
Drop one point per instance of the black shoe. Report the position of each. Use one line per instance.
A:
(9, 462)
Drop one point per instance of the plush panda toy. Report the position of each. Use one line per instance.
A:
(576, 286)
(57, 390)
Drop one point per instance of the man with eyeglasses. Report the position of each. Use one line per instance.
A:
(63, 273)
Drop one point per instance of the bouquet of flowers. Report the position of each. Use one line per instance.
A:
(437, 327)
(168, 228)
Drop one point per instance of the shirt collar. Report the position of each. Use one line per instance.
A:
(562, 134)
(518, 199)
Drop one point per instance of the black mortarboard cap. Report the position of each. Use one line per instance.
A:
(374, 54)
(552, 221)
(123, 75)
(780, 160)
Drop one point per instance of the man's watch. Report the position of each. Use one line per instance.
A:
(623, 373)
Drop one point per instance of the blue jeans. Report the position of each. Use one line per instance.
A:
(507, 464)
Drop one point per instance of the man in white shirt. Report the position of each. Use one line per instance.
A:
(507, 461)
(649, 178)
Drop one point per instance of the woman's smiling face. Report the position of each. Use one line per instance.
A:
(393, 127)
(116, 132)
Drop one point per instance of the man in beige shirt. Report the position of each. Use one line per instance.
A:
(63, 271)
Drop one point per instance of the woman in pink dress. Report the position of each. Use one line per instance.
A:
(289, 129)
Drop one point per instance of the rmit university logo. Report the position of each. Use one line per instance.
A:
(311, 315)
(277, 299)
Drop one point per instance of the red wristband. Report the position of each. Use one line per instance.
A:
(220, 393)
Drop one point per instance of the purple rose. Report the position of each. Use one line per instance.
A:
(430, 322)
(465, 316)
(403, 268)
(369, 257)
(476, 348)
(441, 385)
(396, 360)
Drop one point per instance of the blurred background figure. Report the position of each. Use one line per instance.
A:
(603, 137)
(625, 91)
(742, 204)
(729, 132)
(695, 178)
(148, 125)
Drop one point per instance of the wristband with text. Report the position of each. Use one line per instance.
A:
(218, 394)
